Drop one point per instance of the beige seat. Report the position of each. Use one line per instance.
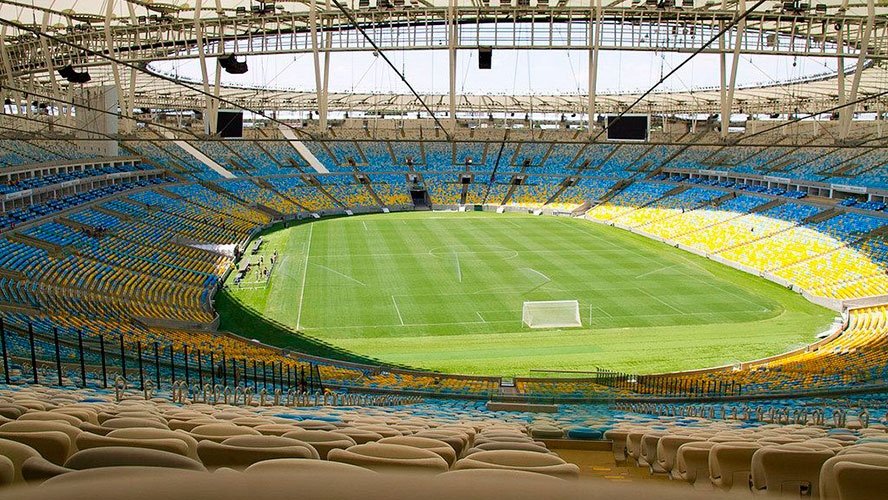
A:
(87, 440)
(22, 426)
(322, 441)
(150, 434)
(221, 432)
(128, 456)
(618, 438)
(7, 471)
(633, 447)
(648, 451)
(54, 446)
(667, 449)
(383, 430)
(788, 470)
(315, 425)
(360, 436)
(191, 424)
(857, 481)
(298, 465)
(390, 457)
(17, 453)
(50, 416)
(458, 440)
(527, 461)
(276, 429)
(546, 431)
(133, 422)
(829, 488)
(692, 462)
(242, 451)
(730, 464)
(83, 414)
(493, 446)
(440, 448)
(499, 476)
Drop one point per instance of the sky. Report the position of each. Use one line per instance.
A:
(515, 72)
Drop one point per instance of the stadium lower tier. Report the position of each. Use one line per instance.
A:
(73, 442)
(144, 266)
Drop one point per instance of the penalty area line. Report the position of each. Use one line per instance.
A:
(334, 271)
(398, 310)
(655, 271)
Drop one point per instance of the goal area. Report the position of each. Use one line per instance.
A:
(551, 314)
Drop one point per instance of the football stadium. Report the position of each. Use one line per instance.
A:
(448, 249)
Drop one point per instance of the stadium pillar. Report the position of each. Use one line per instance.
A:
(273, 376)
(5, 354)
(234, 371)
(199, 370)
(187, 375)
(255, 377)
(122, 359)
(157, 365)
(264, 376)
(104, 366)
(141, 367)
(212, 370)
(58, 354)
(224, 370)
(82, 361)
(33, 352)
(172, 365)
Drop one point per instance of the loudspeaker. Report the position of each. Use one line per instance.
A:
(68, 73)
(232, 66)
(485, 57)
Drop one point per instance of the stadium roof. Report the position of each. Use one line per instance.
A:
(80, 32)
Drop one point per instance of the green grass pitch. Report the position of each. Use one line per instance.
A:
(444, 291)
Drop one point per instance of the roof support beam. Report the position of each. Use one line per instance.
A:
(319, 79)
(210, 104)
(728, 100)
(115, 68)
(452, 28)
(594, 45)
(848, 113)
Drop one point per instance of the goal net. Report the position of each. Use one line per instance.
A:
(551, 314)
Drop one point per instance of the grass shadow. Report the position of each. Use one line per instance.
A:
(248, 323)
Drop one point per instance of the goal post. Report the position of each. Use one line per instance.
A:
(551, 314)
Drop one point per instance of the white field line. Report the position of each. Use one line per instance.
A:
(658, 299)
(539, 273)
(482, 317)
(365, 226)
(517, 321)
(655, 271)
(458, 267)
(609, 315)
(304, 275)
(398, 310)
(334, 271)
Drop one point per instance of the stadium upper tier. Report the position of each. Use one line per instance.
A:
(142, 265)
